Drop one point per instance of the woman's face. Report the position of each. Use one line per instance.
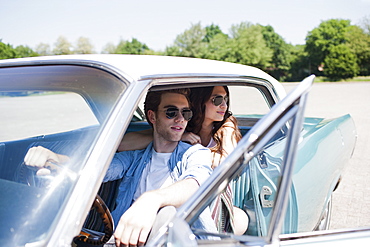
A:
(213, 112)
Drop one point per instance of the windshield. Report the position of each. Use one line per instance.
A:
(63, 109)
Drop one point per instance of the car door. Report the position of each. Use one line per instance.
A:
(269, 189)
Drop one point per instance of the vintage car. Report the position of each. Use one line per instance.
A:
(283, 172)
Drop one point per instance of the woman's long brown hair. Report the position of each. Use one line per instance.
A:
(198, 98)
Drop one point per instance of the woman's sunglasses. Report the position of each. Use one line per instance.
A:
(172, 112)
(218, 100)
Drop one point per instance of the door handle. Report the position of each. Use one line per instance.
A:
(266, 192)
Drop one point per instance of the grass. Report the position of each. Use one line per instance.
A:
(355, 79)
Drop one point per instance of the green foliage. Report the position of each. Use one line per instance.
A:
(247, 46)
(329, 33)
(62, 46)
(190, 43)
(300, 66)
(24, 51)
(340, 63)
(131, 47)
(43, 49)
(211, 32)
(6, 51)
(324, 40)
(359, 43)
(84, 46)
(109, 48)
(281, 58)
(218, 47)
(335, 49)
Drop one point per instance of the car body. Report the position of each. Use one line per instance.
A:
(283, 171)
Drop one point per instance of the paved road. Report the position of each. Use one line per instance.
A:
(351, 201)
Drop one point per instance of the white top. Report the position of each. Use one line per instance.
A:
(155, 175)
(211, 143)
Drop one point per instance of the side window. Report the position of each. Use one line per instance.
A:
(248, 105)
(253, 101)
(36, 113)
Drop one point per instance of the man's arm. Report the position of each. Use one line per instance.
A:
(136, 223)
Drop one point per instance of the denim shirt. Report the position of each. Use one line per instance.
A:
(186, 161)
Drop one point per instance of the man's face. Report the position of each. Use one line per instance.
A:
(170, 130)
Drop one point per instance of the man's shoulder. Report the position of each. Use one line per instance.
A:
(131, 153)
(187, 146)
(188, 149)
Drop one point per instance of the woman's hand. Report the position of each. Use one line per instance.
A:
(191, 138)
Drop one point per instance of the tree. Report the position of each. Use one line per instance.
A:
(340, 63)
(323, 40)
(24, 51)
(217, 48)
(320, 39)
(62, 46)
(281, 57)
(84, 46)
(359, 43)
(109, 48)
(43, 49)
(131, 47)
(6, 51)
(211, 32)
(189, 43)
(247, 46)
(300, 66)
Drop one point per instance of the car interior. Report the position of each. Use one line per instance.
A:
(76, 140)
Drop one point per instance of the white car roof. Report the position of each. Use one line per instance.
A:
(143, 66)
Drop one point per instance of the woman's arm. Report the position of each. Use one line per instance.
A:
(141, 139)
(136, 140)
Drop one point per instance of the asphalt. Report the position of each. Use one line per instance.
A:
(351, 201)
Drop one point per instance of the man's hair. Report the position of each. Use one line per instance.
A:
(153, 99)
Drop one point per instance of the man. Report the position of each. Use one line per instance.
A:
(166, 173)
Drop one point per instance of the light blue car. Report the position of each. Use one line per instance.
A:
(283, 172)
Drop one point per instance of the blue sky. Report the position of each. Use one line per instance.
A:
(158, 22)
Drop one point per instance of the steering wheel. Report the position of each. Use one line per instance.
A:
(93, 237)
(27, 176)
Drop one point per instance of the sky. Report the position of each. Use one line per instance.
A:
(157, 22)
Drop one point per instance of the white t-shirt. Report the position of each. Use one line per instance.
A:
(155, 175)
(211, 143)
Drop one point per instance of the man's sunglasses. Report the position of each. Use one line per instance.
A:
(172, 112)
(218, 100)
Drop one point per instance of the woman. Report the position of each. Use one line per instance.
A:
(213, 126)
(212, 123)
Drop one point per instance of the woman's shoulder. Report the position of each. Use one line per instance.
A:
(229, 125)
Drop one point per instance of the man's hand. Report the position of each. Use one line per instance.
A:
(135, 224)
(43, 158)
(38, 157)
